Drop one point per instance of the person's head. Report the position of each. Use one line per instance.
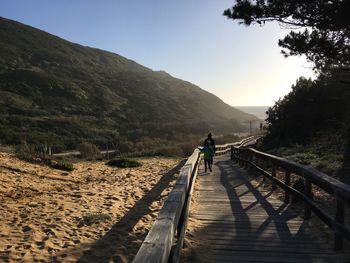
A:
(209, 135)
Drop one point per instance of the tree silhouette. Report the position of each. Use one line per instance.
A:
(320, 29)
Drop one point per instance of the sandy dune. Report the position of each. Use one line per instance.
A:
(41, 209)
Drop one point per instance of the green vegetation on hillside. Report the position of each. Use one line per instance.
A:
(312, 121)
(62, 94)
(312, 109)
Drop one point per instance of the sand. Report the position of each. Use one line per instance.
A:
(42, 209)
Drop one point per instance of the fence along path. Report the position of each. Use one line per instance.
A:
(238, 222)
(165, 239)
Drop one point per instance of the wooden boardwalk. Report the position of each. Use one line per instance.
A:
(239, 222)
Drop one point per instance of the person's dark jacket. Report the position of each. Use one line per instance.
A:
(212, 143)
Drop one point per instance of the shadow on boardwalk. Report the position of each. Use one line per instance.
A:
(240, 222)
(106, 249)
(276, 216)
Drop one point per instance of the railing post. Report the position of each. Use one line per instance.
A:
(260, 164)
(287, 182)
(255, 161)
(247, 160)
(274, 176)
(240, 158)
(339, 219)
(245, 164)
(243, 160)
(308, 193)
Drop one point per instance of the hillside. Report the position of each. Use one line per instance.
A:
(60, 93)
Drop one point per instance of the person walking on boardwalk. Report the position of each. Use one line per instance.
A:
(208, 155)
(212, 144)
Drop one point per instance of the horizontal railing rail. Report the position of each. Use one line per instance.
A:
(226, 148)
(267, 165)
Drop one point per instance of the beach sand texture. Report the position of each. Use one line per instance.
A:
(41, 209)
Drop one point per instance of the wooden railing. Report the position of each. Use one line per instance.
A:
(226, 148)
(164, 241)
(159, 242)
(268, 165)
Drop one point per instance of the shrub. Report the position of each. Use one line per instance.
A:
(62, 165)
(93, 218)
(169, 151)
(7, 148)
(88, 150)
(305, 158)
(25, 151)
(123, 163)
(330, 163)
(33, 153)
(43, 150)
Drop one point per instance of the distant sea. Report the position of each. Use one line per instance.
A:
(258, 111)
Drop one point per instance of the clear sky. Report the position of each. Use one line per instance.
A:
(190, 39)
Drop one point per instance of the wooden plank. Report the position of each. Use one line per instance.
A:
(271, 249)
(244, 209)
(220, 214)
(256, 235)
(257, 232)
(273, 233)
(230, 200)
(267, 254)
(184, 177)
(267, 259)
(160, 231)
(228, 212)
(240, 228)
(267, 239)
(176, 196)
(172, 211)
(228, 219)
(227, 227)
(157, 245)
(269, 242)
(233, 203)
(251, 225)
